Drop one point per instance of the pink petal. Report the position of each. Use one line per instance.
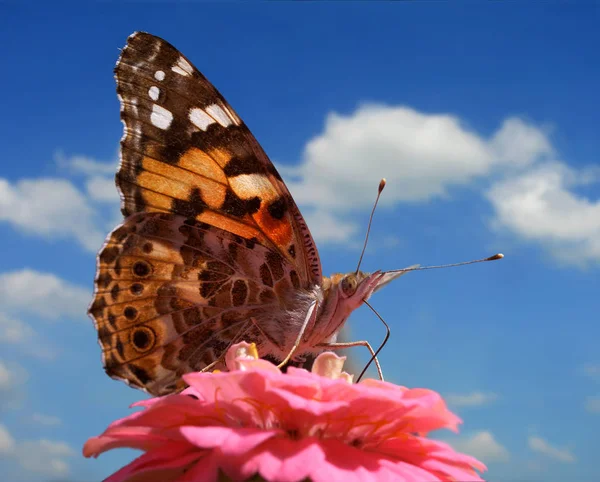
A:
(222, 386)
(158, 465)
(300, 403)
(435, 456)
(166, 411)
(229, 440)
(140, 438)
(205, 469)
(284, 460)
(452, 471)
(410, 473)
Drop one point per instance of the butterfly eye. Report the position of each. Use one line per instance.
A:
(349, 285)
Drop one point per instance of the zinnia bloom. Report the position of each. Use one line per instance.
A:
(255, 420)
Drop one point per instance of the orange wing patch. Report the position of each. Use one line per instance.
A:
(271, 216)
(276, 221)
(233, 226)
(195, 160)
(220, 156)
(182, 181)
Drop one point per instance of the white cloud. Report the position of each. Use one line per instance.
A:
(43, 419)
(327, 228)
(421, 155)
(7, 442)
(540, 205)
(473, 399)
(12, 377)
(16, 332)
(13, 330)
(592, 404)
(482, 445)
(539, 445)
(102, 189)
(46, 457)
(86, 165)
(7, 379)
(51, 208)
(43, 294)
(592, 370)
(520, 144)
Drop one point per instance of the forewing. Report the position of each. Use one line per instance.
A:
(185, 151)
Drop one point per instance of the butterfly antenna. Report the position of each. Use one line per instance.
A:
(387, 336)
(421, 268)
(381, 186)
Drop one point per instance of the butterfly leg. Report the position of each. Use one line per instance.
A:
(350, 344)
(310, 318)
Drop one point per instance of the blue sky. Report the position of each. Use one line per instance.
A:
(483, 118)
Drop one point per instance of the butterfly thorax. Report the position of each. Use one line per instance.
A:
(336, 298)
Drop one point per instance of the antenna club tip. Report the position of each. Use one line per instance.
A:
(382, 184)
(496, 256)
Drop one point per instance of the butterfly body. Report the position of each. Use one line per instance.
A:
(213, 249)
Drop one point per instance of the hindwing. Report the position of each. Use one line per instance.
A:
(172, 294)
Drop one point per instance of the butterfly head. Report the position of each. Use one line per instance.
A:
(353, 288)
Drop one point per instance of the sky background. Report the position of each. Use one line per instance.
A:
(482, 117)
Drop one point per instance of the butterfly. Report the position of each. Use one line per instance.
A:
(213, 249)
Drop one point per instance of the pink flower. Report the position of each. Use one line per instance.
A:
(287, 427)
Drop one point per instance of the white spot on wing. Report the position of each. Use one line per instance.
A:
(183, 67)
(159, 75)
(200, 119)
(236, 120)
(179, 71)
(161, 117)
(154, 92)
(217, 113)
(247, 185)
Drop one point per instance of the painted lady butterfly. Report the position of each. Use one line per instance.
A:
(213, 248)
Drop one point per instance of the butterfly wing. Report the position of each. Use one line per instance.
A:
(186, 151)
(212, 245)
(172, 294)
